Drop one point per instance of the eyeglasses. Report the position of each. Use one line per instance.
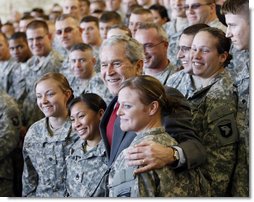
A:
(150, 45)
(184, 49)
(194, 6)
(65, 30)
(38, 38)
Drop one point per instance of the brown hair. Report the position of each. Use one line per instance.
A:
(150, 89)
(61, 79)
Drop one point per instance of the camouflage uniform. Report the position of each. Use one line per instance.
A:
(181, 81)
(44, 154)
(173, 36)
(164, 182)
(6, 68)
(167, 72)
(240, 65)
(97, 86)
(214, 111)
(66, 65)
(9, 137)
(85, 170)
(77, 85)
(96, 52)
(37, 67)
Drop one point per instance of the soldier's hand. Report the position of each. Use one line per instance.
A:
(149, 155)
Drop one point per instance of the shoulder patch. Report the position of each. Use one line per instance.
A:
(225, 129)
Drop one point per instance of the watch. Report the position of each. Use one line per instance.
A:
(175, 155)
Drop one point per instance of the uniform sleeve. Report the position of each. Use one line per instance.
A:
(178, 124)
(220, 137)
(30, 176)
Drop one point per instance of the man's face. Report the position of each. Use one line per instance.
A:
(198, 11)
(67, 33)
(82, 63)
(90, 33)
(184, 53)
(177, 7)
(72, 8)
(104, 27)
(38, 41)
(19, 50)
(116, 67)
(135, 21)
(238, 30)
(84, 8)
(155, 48)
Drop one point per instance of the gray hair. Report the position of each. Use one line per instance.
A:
(134, 51)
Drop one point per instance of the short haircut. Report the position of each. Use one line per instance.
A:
(108, 16)
(134, 51)
(68, 16)
(35, 24)
(150, 25)
(236, 7)
(141, 11)
(82, 47)
(18, 35)
(90, 18)
(122, 27)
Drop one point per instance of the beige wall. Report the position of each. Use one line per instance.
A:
(6, 6)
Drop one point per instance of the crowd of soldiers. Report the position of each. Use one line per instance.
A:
(184, 61)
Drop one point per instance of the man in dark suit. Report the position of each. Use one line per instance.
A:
(121, 58)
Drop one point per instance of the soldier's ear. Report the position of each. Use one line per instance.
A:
(153, 108)
(50, 36)
(100, 113)
(139, 67)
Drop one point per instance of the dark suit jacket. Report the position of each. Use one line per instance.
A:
(178, 124)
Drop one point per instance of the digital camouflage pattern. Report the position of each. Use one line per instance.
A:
(214, 109)
(240, 70)
(97, 86)
(165, 74)
(164, 182)
(44, 153)
(6, 68)
(77, 85)
(9, 137)
(97, 66)
(183, 82)
(85, 170)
